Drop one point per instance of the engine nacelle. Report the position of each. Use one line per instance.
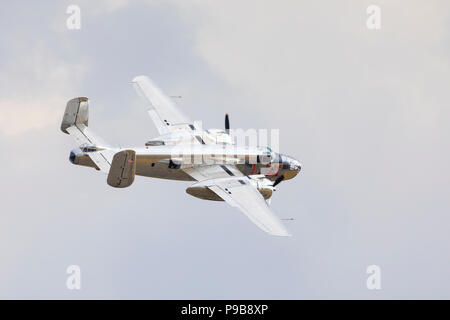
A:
(201, 189)
(219, 136)
(266, 191)
(203, 192)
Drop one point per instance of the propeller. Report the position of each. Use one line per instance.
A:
(227, 124)
(279, 179)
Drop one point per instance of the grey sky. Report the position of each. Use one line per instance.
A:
(366, 112)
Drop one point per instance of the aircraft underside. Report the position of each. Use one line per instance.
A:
(162, 170)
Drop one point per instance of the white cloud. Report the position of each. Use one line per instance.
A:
(109, 6)
(322, 70)
(364, 111)
(36, 86)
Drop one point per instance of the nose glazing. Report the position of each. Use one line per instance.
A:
(294, 164)
(297, 165)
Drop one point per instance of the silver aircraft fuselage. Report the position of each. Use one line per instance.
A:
(151, 161)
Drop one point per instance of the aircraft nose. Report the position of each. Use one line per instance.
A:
(294, 164)
(297, 165)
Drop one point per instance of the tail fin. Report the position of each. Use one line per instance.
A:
(77, 113)
(75, 123)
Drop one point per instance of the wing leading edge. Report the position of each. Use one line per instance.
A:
(164, 113)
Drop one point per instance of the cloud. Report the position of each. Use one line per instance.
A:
(365, 111)
(36, 86)
(102, 7)
(325, 74)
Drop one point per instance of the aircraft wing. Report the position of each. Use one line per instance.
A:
(237, 190)
(164, 113)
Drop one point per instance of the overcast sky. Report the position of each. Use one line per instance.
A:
(365, 111)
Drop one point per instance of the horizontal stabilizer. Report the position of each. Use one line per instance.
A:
(123, 168)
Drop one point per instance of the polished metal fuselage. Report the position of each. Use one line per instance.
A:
(158, 160)
(157, 169)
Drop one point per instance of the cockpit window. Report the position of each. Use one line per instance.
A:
(275, 158)
(266, 157)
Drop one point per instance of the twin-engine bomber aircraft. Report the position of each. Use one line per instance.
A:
(244, 177)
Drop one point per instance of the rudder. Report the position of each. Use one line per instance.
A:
(76, 113)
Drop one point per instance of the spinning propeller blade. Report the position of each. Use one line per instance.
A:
(227, 124)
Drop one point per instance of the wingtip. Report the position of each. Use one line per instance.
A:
(283, 233)
(288, 235)
(137, 78)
